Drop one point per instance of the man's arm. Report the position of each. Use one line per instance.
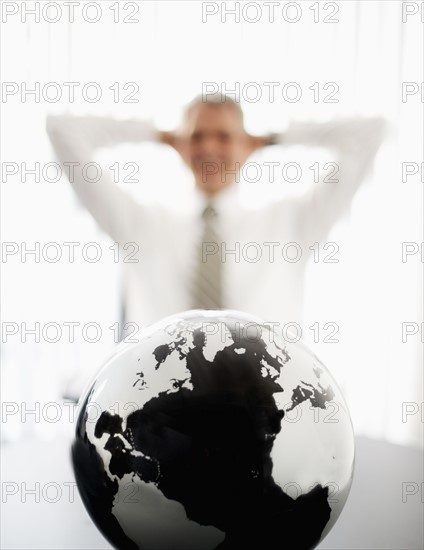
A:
(354, 142)
(75, 140)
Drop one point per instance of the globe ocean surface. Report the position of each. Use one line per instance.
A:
(212, 431)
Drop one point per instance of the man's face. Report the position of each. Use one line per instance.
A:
(214, 144)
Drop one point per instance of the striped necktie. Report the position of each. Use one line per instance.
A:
(207, 282)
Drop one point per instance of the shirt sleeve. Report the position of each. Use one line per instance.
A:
(354, 142)
(75, 140)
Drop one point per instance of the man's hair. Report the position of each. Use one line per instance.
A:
(216, 99)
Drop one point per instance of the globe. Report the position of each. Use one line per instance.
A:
(212, 430)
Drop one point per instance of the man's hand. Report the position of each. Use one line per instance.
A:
(167, 137)
(256, 142)
(177, 142)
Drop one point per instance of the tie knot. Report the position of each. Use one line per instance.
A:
(209, 212)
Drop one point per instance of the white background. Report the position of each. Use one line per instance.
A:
(370, 52)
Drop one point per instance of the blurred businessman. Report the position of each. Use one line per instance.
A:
(216, 254)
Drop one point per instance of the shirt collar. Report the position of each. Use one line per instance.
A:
(224, 202)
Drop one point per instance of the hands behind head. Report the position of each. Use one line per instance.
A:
(253, 142)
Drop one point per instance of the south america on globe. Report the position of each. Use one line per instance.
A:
(213, 432)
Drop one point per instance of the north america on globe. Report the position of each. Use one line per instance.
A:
(192, 466)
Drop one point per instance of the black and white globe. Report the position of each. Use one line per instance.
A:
(212, 431)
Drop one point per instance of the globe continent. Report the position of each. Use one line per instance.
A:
(212, 432)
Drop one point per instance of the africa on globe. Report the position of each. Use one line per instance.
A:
(213, 432)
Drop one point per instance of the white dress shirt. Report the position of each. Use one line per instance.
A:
(258, 276)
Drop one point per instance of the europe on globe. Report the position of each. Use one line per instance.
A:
(212, 431)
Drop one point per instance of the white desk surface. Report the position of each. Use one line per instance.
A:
(374, 518)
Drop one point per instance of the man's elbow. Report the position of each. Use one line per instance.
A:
(370, 136)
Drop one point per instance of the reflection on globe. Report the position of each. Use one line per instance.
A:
(211, 431)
